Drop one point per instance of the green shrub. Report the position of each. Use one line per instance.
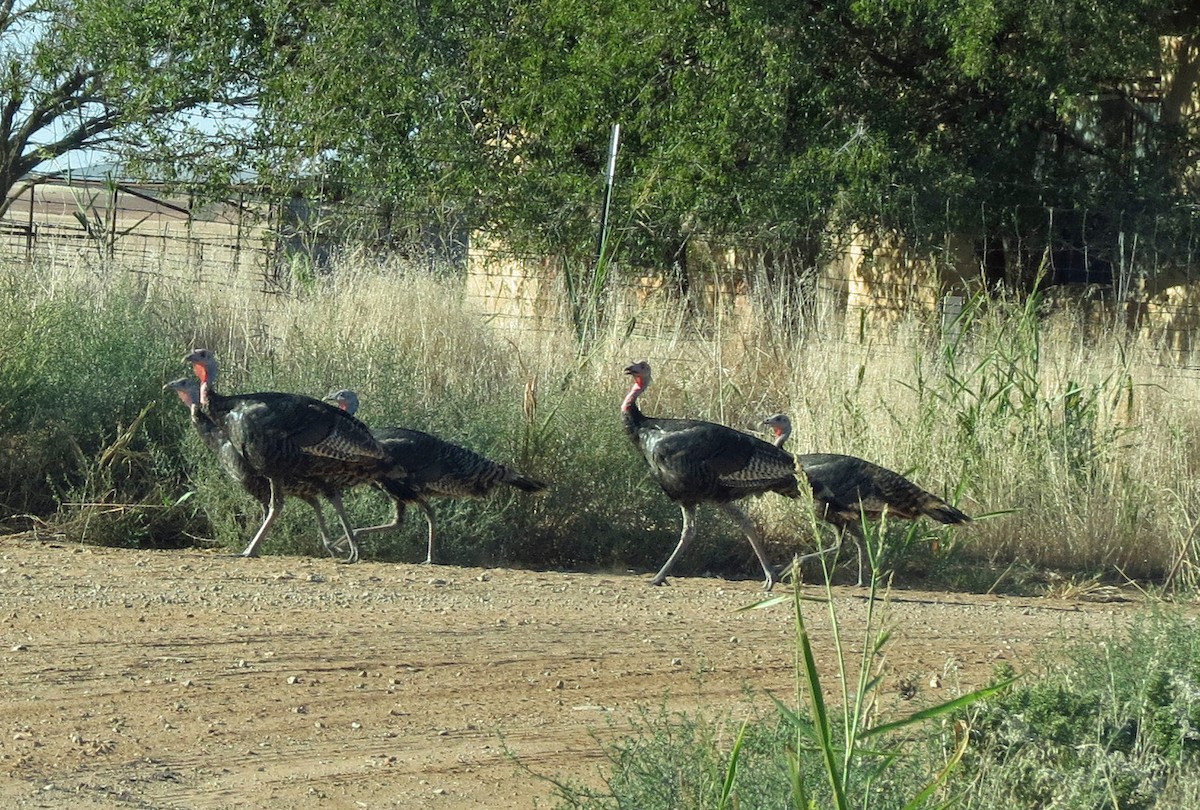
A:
(83, 433)
(1109, 727)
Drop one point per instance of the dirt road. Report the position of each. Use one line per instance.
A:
(193, 680)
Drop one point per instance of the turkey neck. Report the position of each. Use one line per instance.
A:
(631, 414)
(212, 405)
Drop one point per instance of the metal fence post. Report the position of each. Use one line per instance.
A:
(952, 307)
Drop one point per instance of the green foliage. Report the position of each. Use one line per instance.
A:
(838, 734)
(763, 125)
(134, 79)
(380, 97)
(1118, 720)
(80, 378)
(760, 124)
(680, 761)
(1112, 726)
(1048, 433)
(826, 755)
(675, 761)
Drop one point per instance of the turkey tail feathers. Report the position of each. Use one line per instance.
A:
(943, 512)
(524, 482)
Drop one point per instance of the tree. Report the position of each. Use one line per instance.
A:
(707, 103)
(381, 100)
(800, 119)
(1016, 123)
(160, 82)
(743, 120)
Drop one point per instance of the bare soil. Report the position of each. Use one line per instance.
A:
(189, 679)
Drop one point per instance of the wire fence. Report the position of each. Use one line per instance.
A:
(143, 229)
(860, 288)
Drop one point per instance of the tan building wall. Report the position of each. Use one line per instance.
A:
(871, 286)
(873, 282)
(514, 291)
(886, 281)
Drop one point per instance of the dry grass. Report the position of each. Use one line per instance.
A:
(1086, 439)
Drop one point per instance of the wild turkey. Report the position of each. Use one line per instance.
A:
(235, 465)
(848, 490)
(431, 466)
(293, 441)
(699, 462)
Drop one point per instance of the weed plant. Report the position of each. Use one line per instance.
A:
(1116, 724)
(831, 747)
(84, 439)
(1082, 436)
(1112, 724)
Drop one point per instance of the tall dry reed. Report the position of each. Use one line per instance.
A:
(1084, 437)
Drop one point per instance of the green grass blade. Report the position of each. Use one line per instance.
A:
(732, 767)
(941, 709)
(919, 800)
(822, 727)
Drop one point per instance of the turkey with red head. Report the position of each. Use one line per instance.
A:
(431, 467)
(292, 441)
(699, 462)
(235, 465)
(848, 490)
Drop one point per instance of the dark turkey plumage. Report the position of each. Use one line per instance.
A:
(257, 486)
(293, 441)
(848, 490)
(423, 465)
(703, 462)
